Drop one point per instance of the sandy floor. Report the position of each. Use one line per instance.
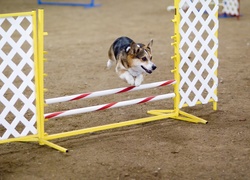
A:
(77, 43)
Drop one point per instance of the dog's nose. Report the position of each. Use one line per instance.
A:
(154, 67)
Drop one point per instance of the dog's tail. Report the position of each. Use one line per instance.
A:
(111, 56)
(109, 64)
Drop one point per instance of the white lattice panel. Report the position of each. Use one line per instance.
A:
(17, 88)
(231, 7)
(198, 46)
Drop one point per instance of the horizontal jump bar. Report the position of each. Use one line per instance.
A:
(108, 92)
(107, 106)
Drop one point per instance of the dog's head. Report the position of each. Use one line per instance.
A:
(139, 57)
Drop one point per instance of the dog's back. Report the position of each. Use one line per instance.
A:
(118, 46)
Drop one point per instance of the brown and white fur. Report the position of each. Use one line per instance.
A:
(132, 60)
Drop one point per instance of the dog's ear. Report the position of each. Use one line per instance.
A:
(150, 44)
(134, 48)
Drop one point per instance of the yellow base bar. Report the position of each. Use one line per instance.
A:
(50, 144)
(25, 138)
(108, 126)
(179, 116)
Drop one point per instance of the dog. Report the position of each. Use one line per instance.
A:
(133, 60)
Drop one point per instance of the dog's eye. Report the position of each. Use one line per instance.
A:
(144, 59)
(151, 58)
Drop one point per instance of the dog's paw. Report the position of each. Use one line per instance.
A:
(137, 83)
(138, 80)
(130, 80)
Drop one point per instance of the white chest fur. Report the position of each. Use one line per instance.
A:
(135, 71)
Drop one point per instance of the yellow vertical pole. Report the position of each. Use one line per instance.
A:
(215, 105)
(36, 63)
(40, 74)
(176, 56)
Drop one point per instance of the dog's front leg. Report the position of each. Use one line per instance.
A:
(138, 80)
(125, 75)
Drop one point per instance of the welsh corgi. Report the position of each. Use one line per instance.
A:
(133, 60)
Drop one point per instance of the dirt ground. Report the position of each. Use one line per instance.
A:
(77, 43)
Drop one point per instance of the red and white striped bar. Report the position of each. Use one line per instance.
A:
(108, 92)
(107, 106)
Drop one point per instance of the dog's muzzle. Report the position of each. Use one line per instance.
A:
(149, 71)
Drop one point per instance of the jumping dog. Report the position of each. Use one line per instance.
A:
(132, 60)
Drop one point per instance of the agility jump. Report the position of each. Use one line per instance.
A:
(195, 76)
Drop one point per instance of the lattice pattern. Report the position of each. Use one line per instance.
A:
(198, 47)
(231, 7)
(17, 88)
